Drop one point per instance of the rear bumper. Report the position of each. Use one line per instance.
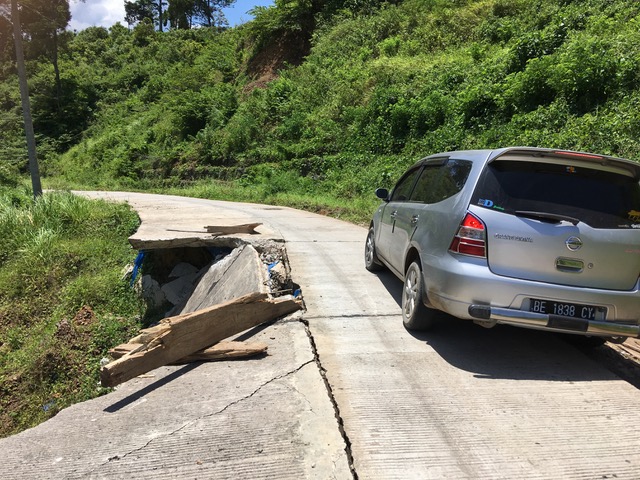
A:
(489, 316)
(453, 284)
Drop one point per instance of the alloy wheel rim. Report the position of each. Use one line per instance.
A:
(369, 250)
(410, 293)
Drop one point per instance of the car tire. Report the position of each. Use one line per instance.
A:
(371, 261)
(415, 315)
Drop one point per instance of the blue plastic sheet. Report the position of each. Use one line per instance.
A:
(136, 266)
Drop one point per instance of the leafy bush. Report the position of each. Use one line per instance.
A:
(585, 74)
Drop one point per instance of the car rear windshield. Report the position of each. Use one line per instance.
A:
(598, 198)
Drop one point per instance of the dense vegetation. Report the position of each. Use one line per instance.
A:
(63, 300)
(379, 85)
(313, 104)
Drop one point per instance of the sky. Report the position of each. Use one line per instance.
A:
(105, 13)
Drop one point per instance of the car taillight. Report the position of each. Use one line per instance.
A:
(471, 238)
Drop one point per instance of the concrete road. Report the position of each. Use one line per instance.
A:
(459, 402)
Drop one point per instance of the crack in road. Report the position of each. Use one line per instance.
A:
(334, 403)
(182, 427)
(353, 315)
(258, 389)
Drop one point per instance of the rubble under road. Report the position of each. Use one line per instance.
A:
(211, 293)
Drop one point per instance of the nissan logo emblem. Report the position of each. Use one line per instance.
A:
(573, 243)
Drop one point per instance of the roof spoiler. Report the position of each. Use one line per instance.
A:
(615, 163)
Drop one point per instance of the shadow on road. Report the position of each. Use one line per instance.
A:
(119, 405)
(516, 353)
(512, 353)
(392, 284)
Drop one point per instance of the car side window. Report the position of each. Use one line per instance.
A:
(439, 182)
(402, 191)
(427, 183)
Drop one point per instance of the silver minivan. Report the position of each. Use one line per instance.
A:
(537, 238)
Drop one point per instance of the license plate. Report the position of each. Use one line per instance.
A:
(564, 309)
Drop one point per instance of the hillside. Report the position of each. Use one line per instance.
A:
(333, 98)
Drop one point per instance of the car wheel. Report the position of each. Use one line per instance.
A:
(371, 261)
(415, 315)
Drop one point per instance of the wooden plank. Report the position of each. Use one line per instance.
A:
(224, 351)
(232, 229)
(195, 331)
(220, 351)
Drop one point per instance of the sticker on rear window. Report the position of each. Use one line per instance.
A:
(489, 204)
(634, 216)
(571, 169)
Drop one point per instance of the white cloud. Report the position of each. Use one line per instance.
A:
(101, 13)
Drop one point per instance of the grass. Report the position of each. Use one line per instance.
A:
(63, 300)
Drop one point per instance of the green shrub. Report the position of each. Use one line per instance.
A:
(585, 73)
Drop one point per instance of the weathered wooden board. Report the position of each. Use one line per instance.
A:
(220, 351)
(179, 336)
(232, 229)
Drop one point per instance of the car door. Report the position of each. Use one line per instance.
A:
(392, 239)
(414, 211)
(430, 187)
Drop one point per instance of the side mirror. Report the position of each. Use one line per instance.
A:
(382, 194)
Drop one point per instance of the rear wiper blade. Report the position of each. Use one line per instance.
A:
(547, 217)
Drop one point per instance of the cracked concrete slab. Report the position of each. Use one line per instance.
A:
(238, 274)
(266, 418)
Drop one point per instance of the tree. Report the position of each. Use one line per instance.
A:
(209, 12)
(43, 32)
(137, 11)
(43, 21)
(185, 14)
(7, 49)
(44, 27)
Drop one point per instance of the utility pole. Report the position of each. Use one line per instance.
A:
(26, 108)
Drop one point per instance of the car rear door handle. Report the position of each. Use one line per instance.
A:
(414, 219)
(394, 213)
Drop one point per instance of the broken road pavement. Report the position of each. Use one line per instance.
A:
(230, 296)
(265, 418)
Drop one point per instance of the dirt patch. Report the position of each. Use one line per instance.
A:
(84, 316)
(286, 49)
(65, 331)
